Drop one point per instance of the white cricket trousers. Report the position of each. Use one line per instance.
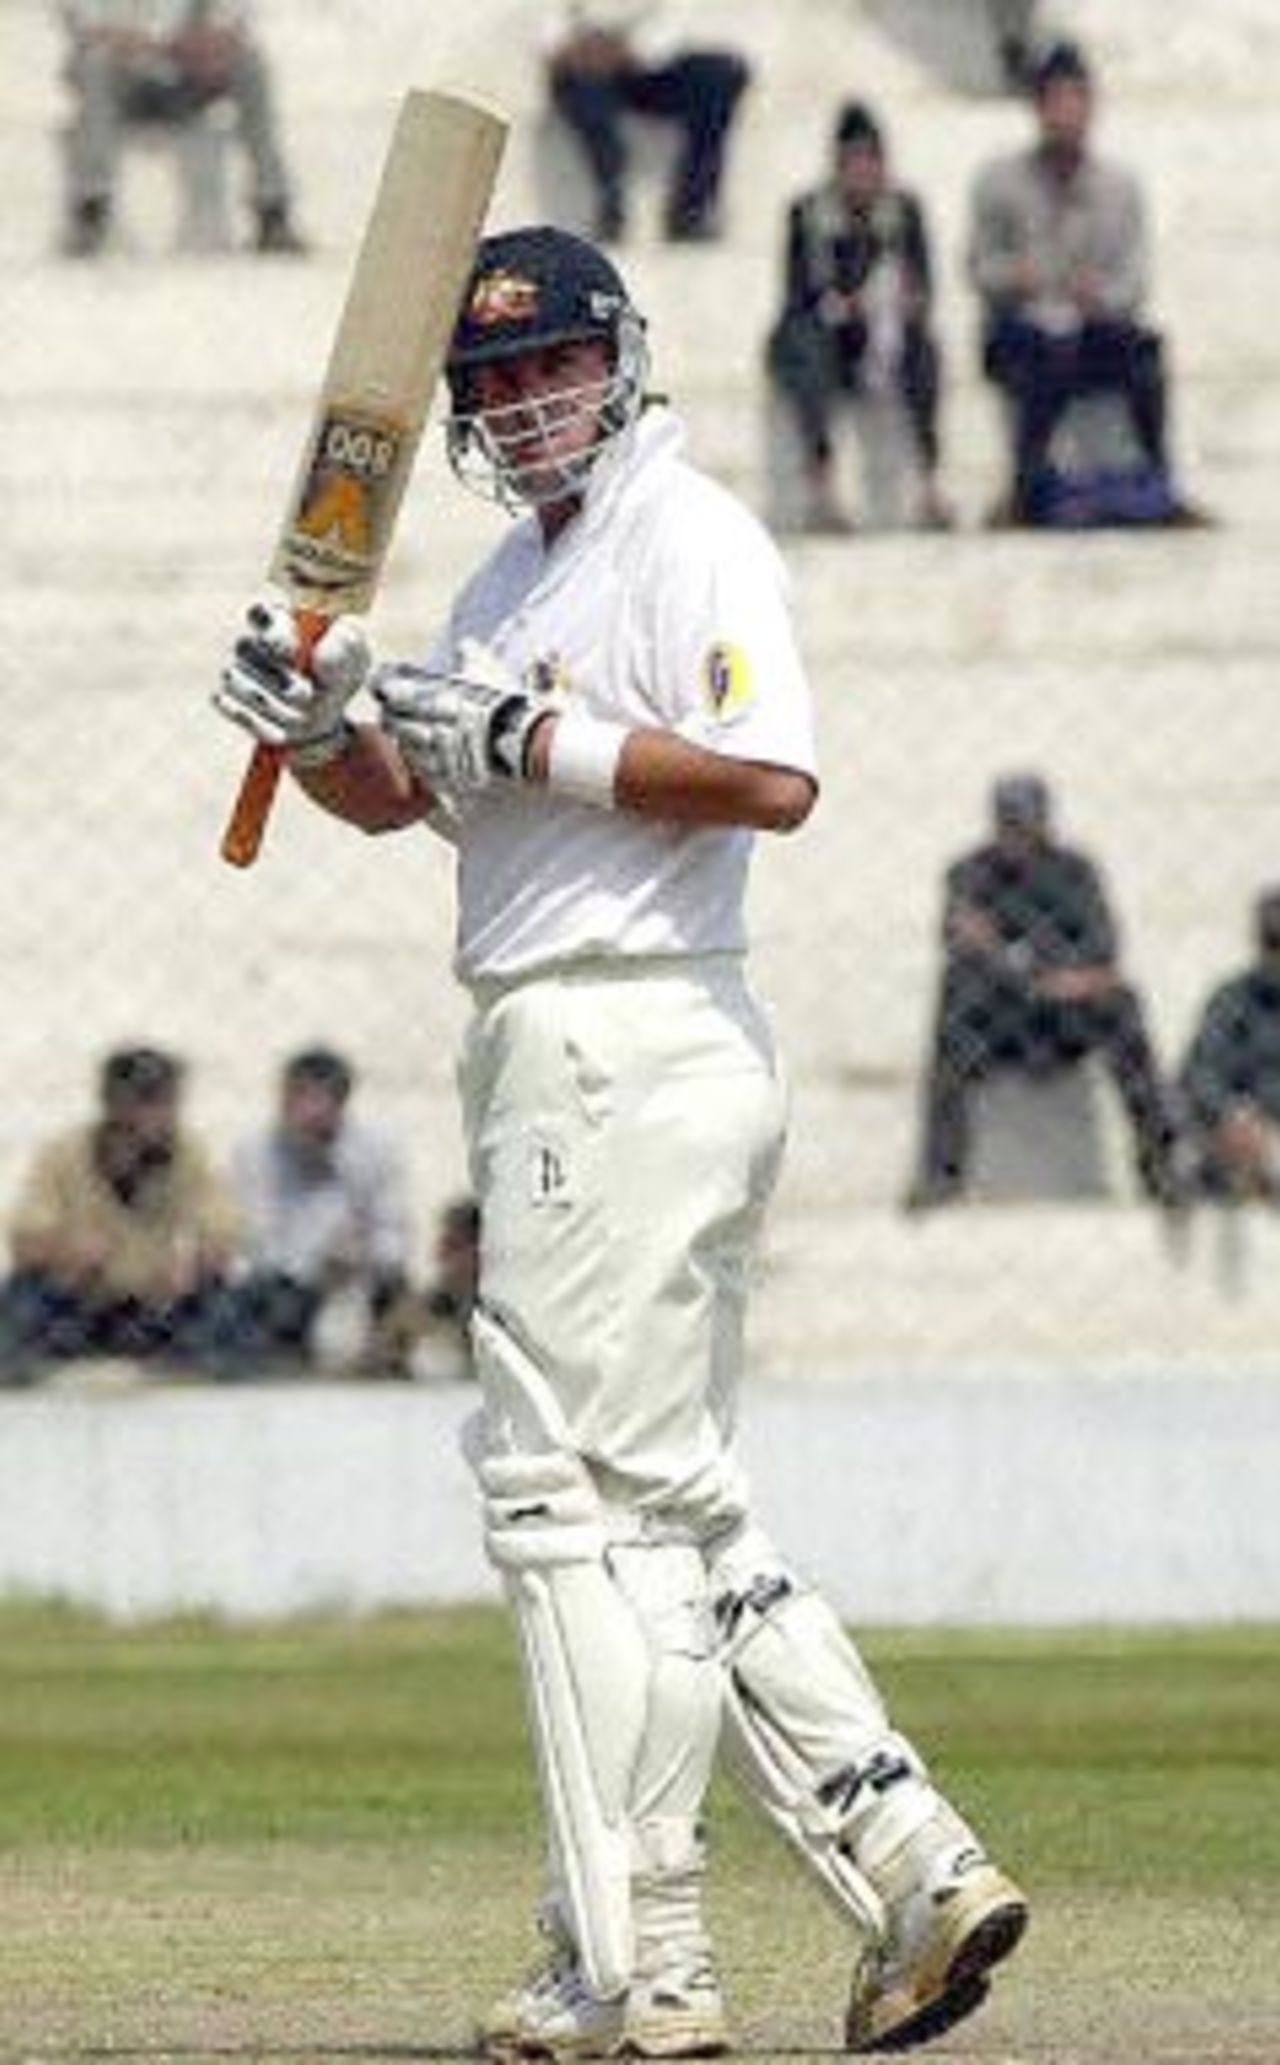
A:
(625, 1122)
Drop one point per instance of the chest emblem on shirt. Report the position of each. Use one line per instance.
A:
(727, 682)
(548, 675)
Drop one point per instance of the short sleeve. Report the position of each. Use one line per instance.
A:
(727, 671)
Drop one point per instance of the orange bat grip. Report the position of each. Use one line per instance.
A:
(248, 820)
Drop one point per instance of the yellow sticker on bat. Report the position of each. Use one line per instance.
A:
(727, 680)
(351, 484)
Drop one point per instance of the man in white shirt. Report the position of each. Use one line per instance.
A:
(1059, 256)
(614, 708)
(324, 1203)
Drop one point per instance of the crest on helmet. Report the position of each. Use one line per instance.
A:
(503, 297)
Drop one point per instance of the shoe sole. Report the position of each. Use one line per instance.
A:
(962, 1986)
(654, 2044)
(693, 2040)
(506, 2050)
(670, 2038)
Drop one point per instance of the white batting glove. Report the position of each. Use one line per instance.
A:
(265, 692)
(463, 730)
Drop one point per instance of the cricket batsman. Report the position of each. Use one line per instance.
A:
(614, 708)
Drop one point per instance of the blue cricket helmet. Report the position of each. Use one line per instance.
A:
(530, 288)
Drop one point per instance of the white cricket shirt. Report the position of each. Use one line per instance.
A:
(664, 605)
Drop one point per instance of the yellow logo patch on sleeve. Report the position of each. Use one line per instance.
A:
(727, 680)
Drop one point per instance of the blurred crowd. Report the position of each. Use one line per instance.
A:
(1058, 261)
(1033, 981)
(1057, 253)
(129, 1239)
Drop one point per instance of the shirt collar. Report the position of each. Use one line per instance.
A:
(657, 438)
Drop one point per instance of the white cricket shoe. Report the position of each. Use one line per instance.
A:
(673, 2013)
(952, 1916)
(676, 2011)
(553, 2015)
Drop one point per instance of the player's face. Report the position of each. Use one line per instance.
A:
(541, 413)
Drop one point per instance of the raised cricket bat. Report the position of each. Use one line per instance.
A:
(393, 337)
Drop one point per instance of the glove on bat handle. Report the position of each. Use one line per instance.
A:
(248, 820)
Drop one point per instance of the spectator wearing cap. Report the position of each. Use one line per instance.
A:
(606, 59)
(856, 313)
(324, 1199)
(1230, 1079)
(1031, 980)
(122, 1236)
(1059, 257)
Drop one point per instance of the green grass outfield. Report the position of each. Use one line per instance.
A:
(320, 1839)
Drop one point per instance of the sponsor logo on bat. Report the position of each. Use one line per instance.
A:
(348, 501)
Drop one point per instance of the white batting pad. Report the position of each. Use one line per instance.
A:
(805, 1731)
(586, 1663)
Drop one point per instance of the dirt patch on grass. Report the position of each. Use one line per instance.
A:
(293, 1952)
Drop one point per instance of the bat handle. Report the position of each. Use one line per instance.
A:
(248, 820)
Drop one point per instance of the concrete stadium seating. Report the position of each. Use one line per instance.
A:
(1044, 1137)
(152, 415)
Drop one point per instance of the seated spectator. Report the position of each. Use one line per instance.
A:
(324, 1204)
(1058, 255)
(1031, 980)
(121, 1237)
(1231, 1077)
(167, 61)
(606, 60)
(856, 312)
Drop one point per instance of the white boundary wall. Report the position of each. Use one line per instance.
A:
(913, 1499)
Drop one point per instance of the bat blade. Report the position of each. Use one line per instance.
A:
(387, 356)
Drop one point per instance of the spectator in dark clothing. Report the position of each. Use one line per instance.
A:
(606, 60)
(122, 1235)
(1231, 1077)
(1031, 981)
(1059, 257)
(856, 311)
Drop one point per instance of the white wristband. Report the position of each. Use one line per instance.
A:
(584, 756)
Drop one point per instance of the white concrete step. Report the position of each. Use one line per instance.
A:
(1006, 1290)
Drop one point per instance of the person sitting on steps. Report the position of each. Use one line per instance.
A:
(1032, 980)
(167, 61)
(856, 313)
(605, 61)
(1058, 255)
